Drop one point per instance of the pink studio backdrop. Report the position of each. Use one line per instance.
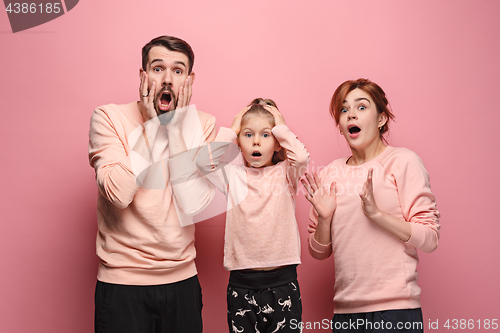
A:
(436, 60)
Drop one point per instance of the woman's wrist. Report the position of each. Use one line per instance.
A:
(325, 219)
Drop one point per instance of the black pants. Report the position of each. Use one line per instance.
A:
(263, 301)
(173, 308)
(394, 321)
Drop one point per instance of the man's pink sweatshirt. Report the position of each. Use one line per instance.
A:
(140, 240)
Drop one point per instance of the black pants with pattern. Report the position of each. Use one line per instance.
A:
(264, 301)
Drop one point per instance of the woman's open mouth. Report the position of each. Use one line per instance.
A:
(354, 131)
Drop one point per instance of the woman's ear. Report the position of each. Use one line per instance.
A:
(382, 120)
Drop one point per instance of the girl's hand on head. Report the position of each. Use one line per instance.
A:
(236, 126)
(278, 117)
(367, 198)
(321, 196)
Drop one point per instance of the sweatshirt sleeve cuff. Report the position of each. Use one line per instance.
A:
(317, 247)
(225, 135)
(280, 131)
(423, 237)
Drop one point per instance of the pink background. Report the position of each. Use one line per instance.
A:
(438, 62)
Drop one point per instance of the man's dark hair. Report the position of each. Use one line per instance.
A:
(172, 44)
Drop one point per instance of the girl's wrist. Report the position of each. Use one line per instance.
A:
(235, 130)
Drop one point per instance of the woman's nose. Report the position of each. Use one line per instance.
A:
(351, 115)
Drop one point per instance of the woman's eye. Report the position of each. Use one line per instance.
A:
(343, 110)
(362, 107)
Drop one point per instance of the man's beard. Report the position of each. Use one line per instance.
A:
(157, 101)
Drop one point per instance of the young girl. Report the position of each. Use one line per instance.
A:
(262, 246)
(373, 210)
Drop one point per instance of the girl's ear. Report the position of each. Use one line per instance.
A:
(277, 147)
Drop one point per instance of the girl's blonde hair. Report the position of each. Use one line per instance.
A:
(257, 109)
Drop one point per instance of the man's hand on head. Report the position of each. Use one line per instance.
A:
(147, 97)
(185, 93)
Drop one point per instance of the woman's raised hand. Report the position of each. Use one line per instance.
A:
(367, 198)
(320, 195)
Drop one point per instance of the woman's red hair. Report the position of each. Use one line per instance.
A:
(372, 89)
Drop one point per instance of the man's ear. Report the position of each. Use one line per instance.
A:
(193, 76)
(140, 72)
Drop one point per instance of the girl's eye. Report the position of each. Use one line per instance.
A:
(266, 135)
(248, 135)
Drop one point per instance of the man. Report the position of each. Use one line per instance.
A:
(147, 278)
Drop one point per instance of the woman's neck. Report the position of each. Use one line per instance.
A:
(363, 155)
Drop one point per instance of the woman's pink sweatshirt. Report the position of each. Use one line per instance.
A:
(375, 270)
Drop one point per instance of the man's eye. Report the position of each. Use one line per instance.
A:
(157, 69)
(178, 71)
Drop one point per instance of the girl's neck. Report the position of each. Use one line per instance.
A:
(363, 155)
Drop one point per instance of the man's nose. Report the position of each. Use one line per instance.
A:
(167, 78)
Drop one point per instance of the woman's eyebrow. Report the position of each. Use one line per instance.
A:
(361, 98)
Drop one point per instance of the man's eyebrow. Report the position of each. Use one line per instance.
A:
(156, 60)
(180, 63)
(176, 62)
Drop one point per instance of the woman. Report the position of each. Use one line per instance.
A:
(372, 210)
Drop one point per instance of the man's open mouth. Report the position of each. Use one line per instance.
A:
(354, 129)
(165, 100)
